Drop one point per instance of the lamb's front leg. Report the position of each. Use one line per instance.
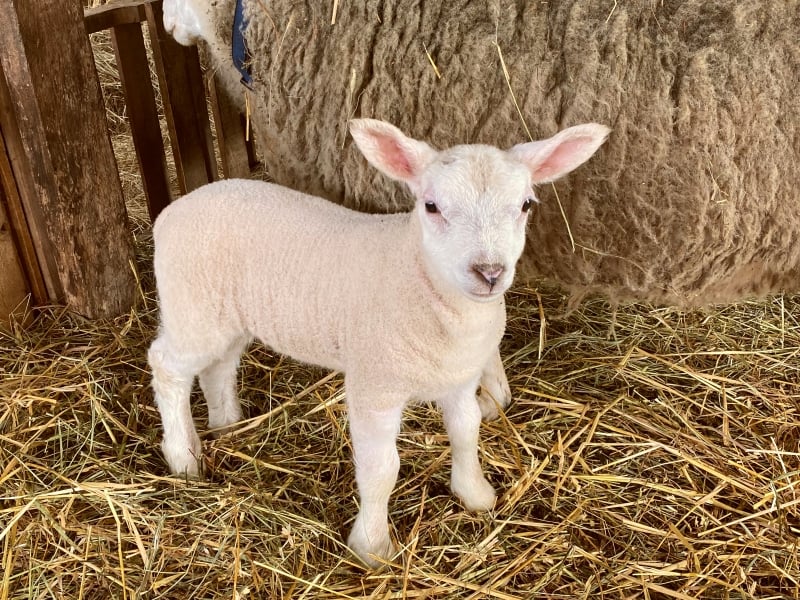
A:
(218, 382)
(374, 436)
(462, 418)
(495, 392)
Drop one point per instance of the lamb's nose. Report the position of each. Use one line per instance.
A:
(489, 272)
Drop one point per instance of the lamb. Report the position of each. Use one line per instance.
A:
(409, 306)
(695, 199)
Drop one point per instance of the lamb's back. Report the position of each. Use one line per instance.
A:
(276, 264)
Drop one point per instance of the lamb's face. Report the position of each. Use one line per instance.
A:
(473, 201)
(473, 207)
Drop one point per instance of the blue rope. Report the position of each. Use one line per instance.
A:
(241, 55)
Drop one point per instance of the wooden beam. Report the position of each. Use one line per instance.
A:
(182, 89)
(230, 130)
(106, 16)
(26, 212)
(140, 102)
(14, 288)
(76, 196)
(25, 238)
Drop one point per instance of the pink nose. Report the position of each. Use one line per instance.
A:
(490, 273)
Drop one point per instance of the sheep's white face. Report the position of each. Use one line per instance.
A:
(473, 204)
(187, 20)
(473, 201)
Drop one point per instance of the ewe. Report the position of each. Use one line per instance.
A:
(694, 201)
(409, 306)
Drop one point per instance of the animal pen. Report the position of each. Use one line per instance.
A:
(648, 453)
(63, 210)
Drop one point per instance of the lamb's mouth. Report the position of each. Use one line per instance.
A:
(487, 295)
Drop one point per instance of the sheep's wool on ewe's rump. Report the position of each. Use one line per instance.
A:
(694, 199)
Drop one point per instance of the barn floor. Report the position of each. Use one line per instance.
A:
(649, 453)
(655, 458)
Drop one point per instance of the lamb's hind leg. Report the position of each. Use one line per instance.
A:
(495, 392)
(218, 382)
(173, 377)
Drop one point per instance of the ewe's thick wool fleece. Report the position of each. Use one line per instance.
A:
(695, 197)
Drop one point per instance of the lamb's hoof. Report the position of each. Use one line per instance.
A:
(223, 429)
(477, 496)
(495, 394)
(221, 424)
(371, 549)
(184, 460)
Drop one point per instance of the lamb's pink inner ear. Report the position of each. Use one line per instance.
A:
(390, 151)
(564, 158)
(394, 158)
(555, 157)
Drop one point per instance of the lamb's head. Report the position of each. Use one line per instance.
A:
(473, 201)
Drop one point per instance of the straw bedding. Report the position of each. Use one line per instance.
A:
(649, 453)
(657, 459)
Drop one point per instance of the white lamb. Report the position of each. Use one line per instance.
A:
(409, 306)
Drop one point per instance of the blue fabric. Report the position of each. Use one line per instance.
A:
(241, 55)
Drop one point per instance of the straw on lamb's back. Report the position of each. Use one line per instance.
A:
(693, 200)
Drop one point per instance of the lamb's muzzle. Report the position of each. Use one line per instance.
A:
(490, 273)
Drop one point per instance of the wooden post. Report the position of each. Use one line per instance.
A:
(14, 288)
(64, 165)
(134, 72)
(183, 92)
(20, 234)
(26, 218)
(233, 148)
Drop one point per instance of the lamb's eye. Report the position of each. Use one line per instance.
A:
(526, 205)
(431, 207)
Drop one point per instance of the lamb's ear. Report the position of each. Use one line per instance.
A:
(390, 150)
(556, 156)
